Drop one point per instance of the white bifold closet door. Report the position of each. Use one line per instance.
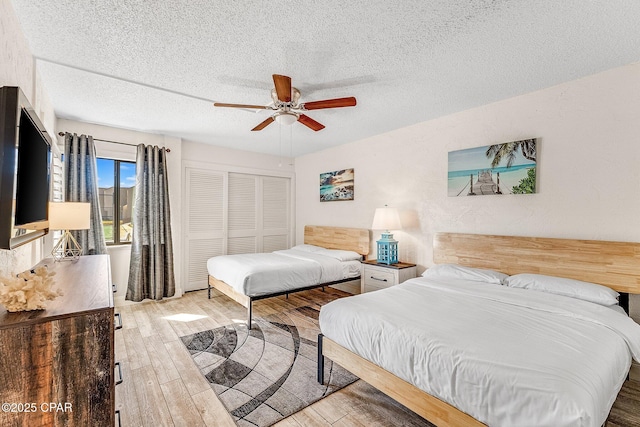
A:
(232, 213)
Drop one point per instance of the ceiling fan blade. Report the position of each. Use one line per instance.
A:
(264, 124)
(330, 103)
(283, 87)
(252, 107)
(310, 123)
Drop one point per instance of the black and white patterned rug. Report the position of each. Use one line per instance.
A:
(270, 372)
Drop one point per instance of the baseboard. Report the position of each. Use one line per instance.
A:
(119, 300)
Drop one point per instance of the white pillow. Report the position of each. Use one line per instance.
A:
(562, 286)
(466, 273)
(341, 255)
(308, 248)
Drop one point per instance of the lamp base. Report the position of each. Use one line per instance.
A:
(67, 248)
(387, 249)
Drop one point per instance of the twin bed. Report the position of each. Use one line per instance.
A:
(469, 346)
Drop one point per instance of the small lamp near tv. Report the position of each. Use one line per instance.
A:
(387, 247)
(68, 216)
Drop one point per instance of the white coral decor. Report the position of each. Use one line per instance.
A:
(28, 291)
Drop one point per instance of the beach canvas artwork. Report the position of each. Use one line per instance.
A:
(508, 168)
(336, 185)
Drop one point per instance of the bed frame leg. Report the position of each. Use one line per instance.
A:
(320, 360)
(249, 315)
(624, 301)
(208, 289)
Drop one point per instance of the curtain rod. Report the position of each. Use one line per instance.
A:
(114, 142)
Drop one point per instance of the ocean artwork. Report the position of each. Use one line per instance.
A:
(508, 168)
(337, 185)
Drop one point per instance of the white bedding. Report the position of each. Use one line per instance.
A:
(506, 356)
(279, 271)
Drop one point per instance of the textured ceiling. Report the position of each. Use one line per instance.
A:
(130, 63)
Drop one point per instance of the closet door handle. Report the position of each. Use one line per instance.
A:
(118, 417)
(118, 324)
(120, 377)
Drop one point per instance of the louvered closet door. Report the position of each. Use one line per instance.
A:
(205, 224)
(276, 205)
(242, 214)
(258, 213)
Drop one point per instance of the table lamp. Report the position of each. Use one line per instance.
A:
(385, 219)
(68, 216)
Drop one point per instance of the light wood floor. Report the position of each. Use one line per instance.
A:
(163, 387)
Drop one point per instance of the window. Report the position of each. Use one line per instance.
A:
(116, 193)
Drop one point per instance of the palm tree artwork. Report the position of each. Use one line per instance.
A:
(507, 168)
(508, 151)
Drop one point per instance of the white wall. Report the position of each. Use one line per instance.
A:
(588, 169)
(198, 152)
(17, 69)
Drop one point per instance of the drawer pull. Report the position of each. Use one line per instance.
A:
(118, 324)
(381, 280)
(120, 377)
(118, 417)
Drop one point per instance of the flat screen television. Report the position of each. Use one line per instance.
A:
(25, 158)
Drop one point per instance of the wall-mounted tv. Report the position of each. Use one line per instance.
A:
(25, 156)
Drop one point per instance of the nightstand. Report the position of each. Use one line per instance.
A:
(374, 276)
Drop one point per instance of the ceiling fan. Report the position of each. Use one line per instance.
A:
(286, 107)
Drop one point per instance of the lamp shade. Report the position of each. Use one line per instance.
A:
(69, 216)
(386, 219)
(286, 118)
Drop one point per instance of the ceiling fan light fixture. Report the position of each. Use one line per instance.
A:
(286, 118)
(286, 106)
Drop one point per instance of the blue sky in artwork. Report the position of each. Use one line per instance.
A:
(475, 158)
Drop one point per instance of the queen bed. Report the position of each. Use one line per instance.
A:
(328, 256)
(469, 346)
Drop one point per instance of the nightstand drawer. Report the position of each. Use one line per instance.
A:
(376, 277)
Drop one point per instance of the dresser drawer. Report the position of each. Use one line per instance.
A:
(378, 278)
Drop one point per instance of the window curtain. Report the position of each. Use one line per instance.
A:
(81, 185)
(151, 269)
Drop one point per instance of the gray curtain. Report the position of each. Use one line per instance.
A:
(81, 185)
(151, 269)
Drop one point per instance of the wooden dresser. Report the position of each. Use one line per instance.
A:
(56, 365)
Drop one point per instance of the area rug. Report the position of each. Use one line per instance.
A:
(268, 373)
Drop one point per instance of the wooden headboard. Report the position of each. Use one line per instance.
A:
(350, 239)
(612, 264)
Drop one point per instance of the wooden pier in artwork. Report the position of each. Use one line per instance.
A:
(484, 184)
